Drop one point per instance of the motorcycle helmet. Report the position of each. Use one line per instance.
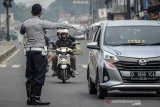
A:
(64, 34)
(59, 34)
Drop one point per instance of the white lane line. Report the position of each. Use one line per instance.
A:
(84, 66)
(11, 56)
(16, 66)
(3, 65)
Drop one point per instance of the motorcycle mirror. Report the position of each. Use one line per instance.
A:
(76, 43)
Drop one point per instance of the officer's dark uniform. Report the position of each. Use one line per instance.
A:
(34, 28)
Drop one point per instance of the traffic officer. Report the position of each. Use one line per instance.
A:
(34, 29)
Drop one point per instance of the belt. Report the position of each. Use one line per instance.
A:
(34, 49)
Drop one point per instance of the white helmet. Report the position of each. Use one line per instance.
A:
(64, 31)
(59, 31)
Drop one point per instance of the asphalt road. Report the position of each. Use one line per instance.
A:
(74, 93)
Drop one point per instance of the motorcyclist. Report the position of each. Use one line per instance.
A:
(69, 36)
(64, 41)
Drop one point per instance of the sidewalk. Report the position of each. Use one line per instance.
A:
(6, 49)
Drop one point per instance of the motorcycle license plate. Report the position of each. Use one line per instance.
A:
(143, 75)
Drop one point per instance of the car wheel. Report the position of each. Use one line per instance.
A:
(158, 93)
(91, 87)
(88, 73)
(101, 93)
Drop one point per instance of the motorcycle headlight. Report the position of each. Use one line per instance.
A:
(64, 60)
(110, 59)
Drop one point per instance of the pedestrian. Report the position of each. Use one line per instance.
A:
(153, 13)
(34, 29)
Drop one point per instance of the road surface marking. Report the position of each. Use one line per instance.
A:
(84, 66)
(3, 65)
(16, 66)
(11, 56)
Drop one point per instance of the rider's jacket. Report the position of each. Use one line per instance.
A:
(64, 43)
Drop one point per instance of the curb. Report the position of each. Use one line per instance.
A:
(7, 53)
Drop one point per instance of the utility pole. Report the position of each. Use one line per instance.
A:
(7, 4)
(145, 9)
(91, 10)
(128, 9)
(0, 20)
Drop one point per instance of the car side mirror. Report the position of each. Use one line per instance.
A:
(92, 45)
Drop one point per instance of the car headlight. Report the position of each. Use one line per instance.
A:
(110, 58)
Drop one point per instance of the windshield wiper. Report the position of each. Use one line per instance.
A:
(158, 43)
(128, 44)
(136, 44)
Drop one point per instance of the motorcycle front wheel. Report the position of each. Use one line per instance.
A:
(63, 75)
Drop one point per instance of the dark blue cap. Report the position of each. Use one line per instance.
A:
(36, 8)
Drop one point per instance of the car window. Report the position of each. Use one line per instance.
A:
(95, 35)
(77, 33)
(133, 34)
(92, 31)
(98, 37)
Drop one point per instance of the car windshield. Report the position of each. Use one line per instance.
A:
(79, 33)
(137, 35)
(12, 32)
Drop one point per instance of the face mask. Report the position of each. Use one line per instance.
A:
(63, 38)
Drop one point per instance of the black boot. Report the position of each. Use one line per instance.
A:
(72, 74)
(38, 101)
(29, 93)
(37, 94)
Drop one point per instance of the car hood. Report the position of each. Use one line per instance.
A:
(79, 35)
(134, 51)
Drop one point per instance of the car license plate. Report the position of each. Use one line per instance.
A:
(143, 75)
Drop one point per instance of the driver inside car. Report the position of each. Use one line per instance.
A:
(64, 41)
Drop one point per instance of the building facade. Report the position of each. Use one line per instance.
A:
(121, 9)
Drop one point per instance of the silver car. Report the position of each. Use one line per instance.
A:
(124, 55)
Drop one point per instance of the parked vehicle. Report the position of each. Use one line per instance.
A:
(79, 35)
(13, 35)
(124, 55)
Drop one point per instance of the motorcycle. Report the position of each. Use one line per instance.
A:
(63, 62)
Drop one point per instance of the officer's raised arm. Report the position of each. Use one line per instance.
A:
(54, 25)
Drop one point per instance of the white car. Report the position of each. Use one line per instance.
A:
(79, 35)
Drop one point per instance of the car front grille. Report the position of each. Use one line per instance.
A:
(134, 66)
(128, 80)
